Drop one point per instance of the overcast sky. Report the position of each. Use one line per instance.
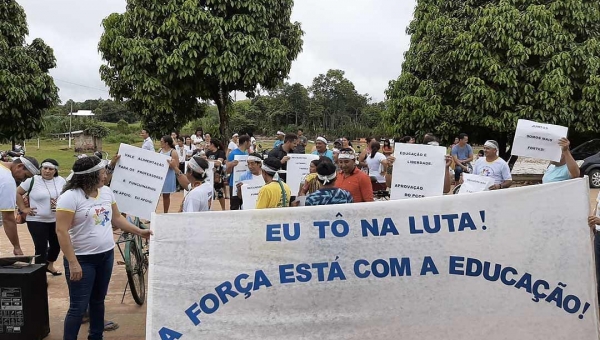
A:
(366, 39)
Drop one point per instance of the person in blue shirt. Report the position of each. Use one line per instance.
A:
(328, 194)
(244, 144)
(321, 148)
(566, 169)
(279, 141)
(462, 154)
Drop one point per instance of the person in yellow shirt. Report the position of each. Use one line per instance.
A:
(275, 193)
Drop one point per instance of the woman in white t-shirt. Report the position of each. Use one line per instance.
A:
(85, 215)
(377, 164)
(200, 192)
(43, 192)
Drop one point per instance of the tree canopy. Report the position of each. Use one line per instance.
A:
(165, 56)
(478, 66)
(26, 88)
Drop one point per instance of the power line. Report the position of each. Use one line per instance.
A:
(89, 87)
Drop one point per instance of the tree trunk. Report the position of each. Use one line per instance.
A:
(221, 101)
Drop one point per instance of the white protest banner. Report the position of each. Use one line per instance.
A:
(475, 183)
(419, 171)
(138, 180)
(505, 264)
(538, 140)
(250, 191)
(298, 166)
(239, 170)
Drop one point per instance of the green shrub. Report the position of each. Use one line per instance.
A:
(122, 138)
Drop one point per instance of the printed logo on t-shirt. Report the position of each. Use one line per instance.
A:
(487, 171)
(101, 216)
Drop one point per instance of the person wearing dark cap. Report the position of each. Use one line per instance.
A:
(328, 194)
(493, 166)
(275, 193)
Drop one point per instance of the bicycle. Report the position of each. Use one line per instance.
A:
(135, 256)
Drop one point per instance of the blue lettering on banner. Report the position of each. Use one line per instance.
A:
(509, 276)
(274, 232)
(168, 334)
(244, 284)
(426, 224)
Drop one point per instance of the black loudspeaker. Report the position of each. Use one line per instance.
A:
(24, 303)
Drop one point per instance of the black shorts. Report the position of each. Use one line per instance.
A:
(218, 194)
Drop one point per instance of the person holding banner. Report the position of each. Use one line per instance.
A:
(351, 179)
(566, 169)
(328, 194)
(254, 173)
(290, 141)
(493, 166)
(275, 193)
(199, 196)
(85, 215)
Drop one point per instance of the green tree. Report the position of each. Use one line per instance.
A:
(339, 98)
(477, 66)
(27, 91)
(164, 56)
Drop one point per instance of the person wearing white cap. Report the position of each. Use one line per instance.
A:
(328, 194)
(42, 192)
(493, 166)
(20, 169)
(351, 179)
(321, 148)
(279, 141)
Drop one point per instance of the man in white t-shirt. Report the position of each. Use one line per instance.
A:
(10, 173)
(493, 166)
(199, 199)
(148, 144)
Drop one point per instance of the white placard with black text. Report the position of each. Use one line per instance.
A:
(475, 183)
(298, 166)
(538, 140)
(250, 191)
(419, 171)
(239, 170)
(138, 180)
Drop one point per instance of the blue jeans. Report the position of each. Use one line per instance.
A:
(90, 290)
(457, 171)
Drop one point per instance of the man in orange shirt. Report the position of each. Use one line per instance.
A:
(351, 179)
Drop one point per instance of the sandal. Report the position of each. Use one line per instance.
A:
(110, 326)
(56, 273)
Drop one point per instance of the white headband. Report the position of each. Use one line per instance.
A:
(49, 165)
(195, 166)
(321, 139)
(270, 170)
(491, 144)
(97, 167)
(254, 159)
(29, 166)
(344, 155)
(327, 179)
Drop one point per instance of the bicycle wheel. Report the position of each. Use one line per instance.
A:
(134, 266)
